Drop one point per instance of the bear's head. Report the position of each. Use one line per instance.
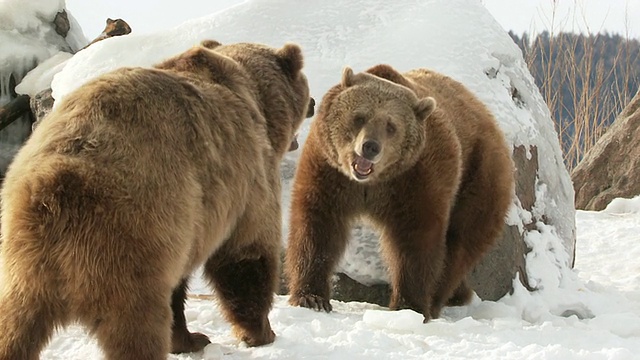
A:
(282, 87)
(271, 77)
(372, 129)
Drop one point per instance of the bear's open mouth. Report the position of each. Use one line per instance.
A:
(362, 167)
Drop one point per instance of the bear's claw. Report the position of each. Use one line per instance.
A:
(259, 335)
(189, 342)
(315, 302)
(264, 339)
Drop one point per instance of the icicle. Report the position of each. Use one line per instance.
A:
(14, 134)
(5, 95)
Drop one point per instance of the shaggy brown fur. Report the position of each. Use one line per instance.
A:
(133, 181)
(436, 180)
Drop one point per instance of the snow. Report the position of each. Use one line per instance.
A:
(40, 78)
(619, 205)
(598, 319)
(589, 312)
(27, 36)
(24, 16)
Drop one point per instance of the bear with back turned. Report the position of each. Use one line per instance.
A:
(422, 159)
(137, 178)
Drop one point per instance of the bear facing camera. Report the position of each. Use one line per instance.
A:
(423, 160)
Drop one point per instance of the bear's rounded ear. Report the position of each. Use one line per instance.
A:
(387, 72)
(424, 107)
(291, 59)
(210, 44)
(347, 77)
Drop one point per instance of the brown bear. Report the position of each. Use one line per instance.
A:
(419, 156)
(133, 181)
(183, 340)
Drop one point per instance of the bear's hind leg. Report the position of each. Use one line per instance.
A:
(183, 341)
(245, 282)
(462, 295)
(26, 325)
(477, 221)
(138, 329)
(460, 261)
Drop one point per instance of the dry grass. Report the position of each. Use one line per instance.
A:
(584, 75)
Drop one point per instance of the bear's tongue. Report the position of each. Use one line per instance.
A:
(362, 166)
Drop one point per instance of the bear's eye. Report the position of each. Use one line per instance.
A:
(359, 120)
(391, 129)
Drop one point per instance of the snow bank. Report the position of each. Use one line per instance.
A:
(623, 206)
(28, 38)
(25, 16)
(40, 78)
(27, 35)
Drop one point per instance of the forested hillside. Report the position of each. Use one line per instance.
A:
(585, 79)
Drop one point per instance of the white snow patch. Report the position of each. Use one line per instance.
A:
(624, 206)
(40, 78)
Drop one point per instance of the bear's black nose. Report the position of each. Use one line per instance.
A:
(310, 108)
(370, 149)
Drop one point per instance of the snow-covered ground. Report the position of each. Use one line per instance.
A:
(602, 321)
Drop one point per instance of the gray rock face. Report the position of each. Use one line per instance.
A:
(61, 23)
(610, 169)
(41, 105)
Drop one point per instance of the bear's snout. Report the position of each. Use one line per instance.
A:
(311, 107)
(371, 149)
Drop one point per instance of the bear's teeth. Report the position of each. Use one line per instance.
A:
(361, 172)
(363, 166)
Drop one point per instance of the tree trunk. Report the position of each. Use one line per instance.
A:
(13, 110)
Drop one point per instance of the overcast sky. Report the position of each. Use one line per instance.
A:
(618, 16)
(519, 15)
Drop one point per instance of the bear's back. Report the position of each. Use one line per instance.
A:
(135, 131)
(128, 115)
(474, 124)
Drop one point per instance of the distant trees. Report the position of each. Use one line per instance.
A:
(586, 80)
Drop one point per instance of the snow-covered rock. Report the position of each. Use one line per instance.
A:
(40, 77)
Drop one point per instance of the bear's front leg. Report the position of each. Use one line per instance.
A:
(183, 341)
(414, 246)
(316, 243)
(318, 235)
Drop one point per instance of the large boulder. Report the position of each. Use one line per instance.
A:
(611, 168)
